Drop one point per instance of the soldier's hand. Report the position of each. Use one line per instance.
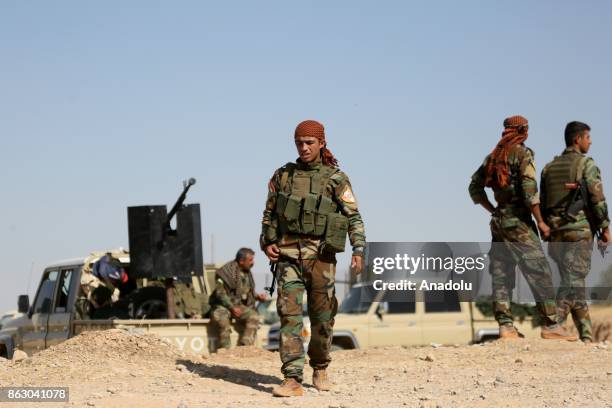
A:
(272, 252)
(544, 230)
(605, 236)
(236, 312)
(356, 264)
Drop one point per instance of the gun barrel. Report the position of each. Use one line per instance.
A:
(179, 203)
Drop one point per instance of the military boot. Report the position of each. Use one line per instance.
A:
(288, 388)
(508, 331)
(557, 332)
(320, 380)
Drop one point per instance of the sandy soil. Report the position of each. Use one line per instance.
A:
(118, 369)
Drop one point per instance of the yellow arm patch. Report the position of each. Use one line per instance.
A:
(347, 196)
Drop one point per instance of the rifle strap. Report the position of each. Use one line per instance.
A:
(580, 168)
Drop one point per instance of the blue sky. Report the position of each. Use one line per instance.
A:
(109, 104)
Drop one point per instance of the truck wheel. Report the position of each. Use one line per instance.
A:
(149, 303)
(336, 347)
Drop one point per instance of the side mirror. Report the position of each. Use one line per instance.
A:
(23, 304)
(381, 310)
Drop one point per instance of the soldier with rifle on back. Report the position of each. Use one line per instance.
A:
(575, 208)
(509, 170)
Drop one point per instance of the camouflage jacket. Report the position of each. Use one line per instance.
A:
(522, 190)
(233, 287)
(597, 208)
(294, 246)
(89, 282)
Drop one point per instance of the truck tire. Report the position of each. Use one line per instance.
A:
(148, 303)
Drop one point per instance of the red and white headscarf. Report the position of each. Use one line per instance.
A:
(312, 128)
(515, 132)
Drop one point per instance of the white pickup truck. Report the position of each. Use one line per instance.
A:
(51, 318)
(422, 319)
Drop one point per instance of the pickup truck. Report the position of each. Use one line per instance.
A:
(423, 318)
(51, 318)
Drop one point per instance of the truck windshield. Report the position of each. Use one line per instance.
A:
(358, 300)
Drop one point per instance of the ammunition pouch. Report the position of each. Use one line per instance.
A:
(335, 234)
(304, 208)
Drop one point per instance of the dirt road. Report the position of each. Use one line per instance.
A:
(118, 369)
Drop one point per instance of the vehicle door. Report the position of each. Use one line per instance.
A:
(34, 335)
(445, 321)
(59, 320)
(393, 320)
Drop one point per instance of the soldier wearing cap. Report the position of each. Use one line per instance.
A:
(100, 278)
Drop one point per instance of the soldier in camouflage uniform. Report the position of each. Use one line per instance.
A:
(234, 298)
(309, 211)
(101, 276)
(510, 171)
(572, 231)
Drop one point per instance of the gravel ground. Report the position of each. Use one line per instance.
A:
(118, 369)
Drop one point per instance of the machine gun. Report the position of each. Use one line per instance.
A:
(160, 252)
(178, 204)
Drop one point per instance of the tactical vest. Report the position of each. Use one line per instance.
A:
(567, 168)
(305, 207)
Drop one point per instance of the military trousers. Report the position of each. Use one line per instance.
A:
(516, 243)
(246, 325)
(316, 278)
(574, 262)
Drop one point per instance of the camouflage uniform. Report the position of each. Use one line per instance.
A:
(187, 302)
(234, 288)
(572, 236)
(515, 238)
(305, 264)
(93, 291)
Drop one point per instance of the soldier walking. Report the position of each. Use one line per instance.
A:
(309, 211)
(575, 208)
(510, 171)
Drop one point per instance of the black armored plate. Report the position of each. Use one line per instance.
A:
(159, 252)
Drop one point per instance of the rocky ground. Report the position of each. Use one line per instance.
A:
(118, 369)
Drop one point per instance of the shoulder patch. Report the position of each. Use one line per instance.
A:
(347, 195)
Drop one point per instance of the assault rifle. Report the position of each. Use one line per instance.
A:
(579, 202)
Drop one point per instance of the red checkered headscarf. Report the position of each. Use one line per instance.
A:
(312, 128)
(515, 132)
